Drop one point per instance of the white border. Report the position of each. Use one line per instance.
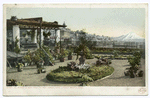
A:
(55, 90)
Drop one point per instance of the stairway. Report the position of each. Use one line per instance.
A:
(30, 46)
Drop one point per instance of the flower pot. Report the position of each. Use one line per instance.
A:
(43, 71)
(62, 59)
(70, 57)
(20, 70)
(39, 71)
(140, 74)
(132, 75)
(26, 64)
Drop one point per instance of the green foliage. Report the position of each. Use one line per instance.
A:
(28, 32)
(97, 56)
(135, 60)
(115, 53)
(100, 72)
(13, 82)
(64, 74)
(19, 65)
(111, 50)
(63, 53)
(37, 55)
(39, 70)
(23, 34)
(16, 49)
(19, 84)
(28, 57)
(70, 51)
(86, 78)
(46, 34)
(85, 50)
(88, 54)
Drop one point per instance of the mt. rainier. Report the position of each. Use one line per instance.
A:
(130, 37)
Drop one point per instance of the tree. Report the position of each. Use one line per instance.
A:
(84, 45)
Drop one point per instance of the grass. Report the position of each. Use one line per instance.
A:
(63, 74)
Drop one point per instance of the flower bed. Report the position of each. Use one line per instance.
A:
(64, 74)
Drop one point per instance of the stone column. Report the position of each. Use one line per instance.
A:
(16, 33)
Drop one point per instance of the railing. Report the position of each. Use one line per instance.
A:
(47, 57)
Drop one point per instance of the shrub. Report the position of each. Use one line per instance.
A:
(98, 57)
(37, 55)
(86, 78)
(16, 48)
(64, 74)
(28, 57)
(63, 53)
(89, 56)
(135, 60)
(115, 53)
(13, 82)
(19, 65)
(98, 62)
(100, 72)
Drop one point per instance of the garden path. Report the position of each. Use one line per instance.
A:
(30, 77)
(118, 78)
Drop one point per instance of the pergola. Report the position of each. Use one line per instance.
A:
(31, 23)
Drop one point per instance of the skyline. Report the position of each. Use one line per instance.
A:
(111, 22)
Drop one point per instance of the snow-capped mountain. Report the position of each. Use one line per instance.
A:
(130, 37)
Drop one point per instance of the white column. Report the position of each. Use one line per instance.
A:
(34, 37)
(16, 33)
(42, 37)
(58, 36)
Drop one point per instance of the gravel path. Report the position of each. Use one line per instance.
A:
(118, 78)
(30, 77)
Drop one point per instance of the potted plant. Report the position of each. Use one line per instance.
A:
(41, 70)
(46, 34)
(62, 58)
(11, 82)
(19, 67)
(62, 55)
(40, 63)
(70, 55)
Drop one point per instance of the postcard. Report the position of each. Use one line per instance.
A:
(75, 49)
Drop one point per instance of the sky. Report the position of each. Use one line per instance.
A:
(110, 22)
